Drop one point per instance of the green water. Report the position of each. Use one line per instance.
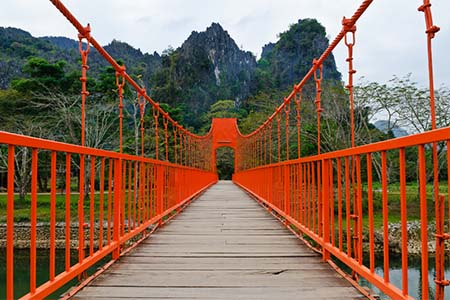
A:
(22, 270)
(414, 275)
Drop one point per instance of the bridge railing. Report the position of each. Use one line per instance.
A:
(99, 202)
(331, 199)
(341, 199)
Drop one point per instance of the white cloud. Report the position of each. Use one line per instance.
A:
(390, 36)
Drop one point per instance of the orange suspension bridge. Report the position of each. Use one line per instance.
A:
(224, 246)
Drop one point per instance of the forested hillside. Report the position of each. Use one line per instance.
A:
(207, 67)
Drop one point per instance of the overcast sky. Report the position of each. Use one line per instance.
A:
(390, 36)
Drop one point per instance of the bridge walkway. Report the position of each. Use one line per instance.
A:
(223, 246)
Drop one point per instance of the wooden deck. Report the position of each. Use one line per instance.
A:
(223, 246)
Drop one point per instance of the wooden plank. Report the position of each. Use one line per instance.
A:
(257, 293)
(223, 246)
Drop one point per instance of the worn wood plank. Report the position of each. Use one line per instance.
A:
(257, 293)
(224, 246)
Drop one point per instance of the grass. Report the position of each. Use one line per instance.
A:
(394, 207)
(22, 208)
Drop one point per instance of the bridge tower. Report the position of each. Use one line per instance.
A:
(224, 134)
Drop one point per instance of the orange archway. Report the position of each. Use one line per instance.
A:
(224, 134)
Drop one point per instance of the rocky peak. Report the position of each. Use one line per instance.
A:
(227, 60)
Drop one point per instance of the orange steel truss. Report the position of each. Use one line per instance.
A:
(328, 197)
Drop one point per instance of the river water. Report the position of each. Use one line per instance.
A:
(414, 275)
(22, 270)
(22, 265)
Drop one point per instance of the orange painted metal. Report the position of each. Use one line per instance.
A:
(33, 218)
(404, 217)
(120, 82)
(67, 220)
(85, 35)
(10, 226)
(52, 216)
(314, 176)
(424, 218)
(350, 29)
(196, 180)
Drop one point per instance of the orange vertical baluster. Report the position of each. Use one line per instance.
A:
(404, 219)
(331, 202)
(52, 215)
(81, 212)
(309, 180)
(117, 206)
(314, 199)
(359, 209)
(325, 214)
(135, 195)
(92, 207)
(159, 191)
(320, 198)
(124, 197)
(384, 200)
(347, 206)
(131, 173)
(301, 193)
(110, 186)
(339, 194)
(33, 221)
(287, 189)
(10, 226)
(355, 213)
(423, 218)
(68, 183)
(102, 200)
(141, 202)
(370, 212)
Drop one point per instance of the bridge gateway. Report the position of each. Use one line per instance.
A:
(223, 239)
(224, 133)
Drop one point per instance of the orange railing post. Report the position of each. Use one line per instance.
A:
(117, 206)
(325, 207)
(10, 226)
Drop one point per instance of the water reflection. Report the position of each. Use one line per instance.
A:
(22, 270)
(414, 275)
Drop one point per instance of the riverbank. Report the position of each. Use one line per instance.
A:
(22, 235)
(395, 238)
